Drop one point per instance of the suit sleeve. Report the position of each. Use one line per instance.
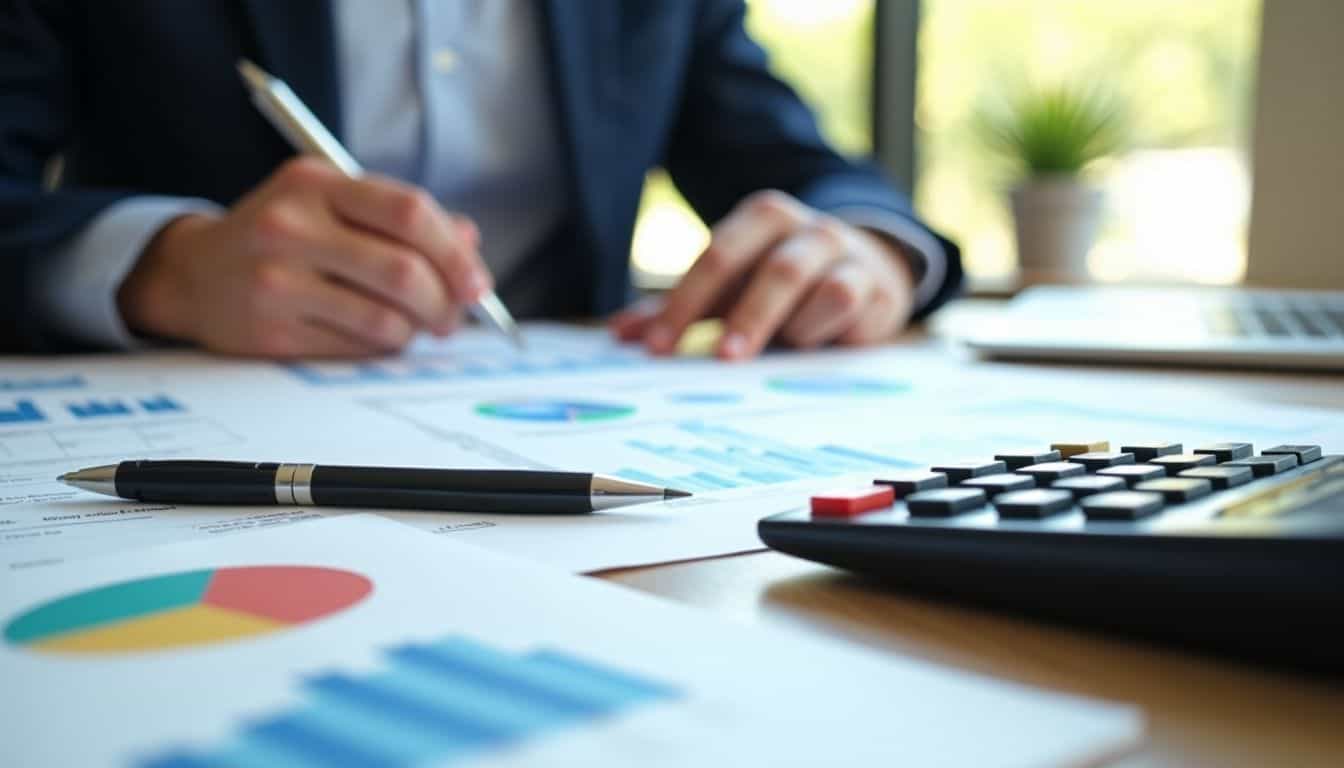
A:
(740, 129)
(37, 113)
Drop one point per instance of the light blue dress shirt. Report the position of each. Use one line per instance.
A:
(452, 96)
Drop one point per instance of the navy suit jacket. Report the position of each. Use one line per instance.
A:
(142, 97)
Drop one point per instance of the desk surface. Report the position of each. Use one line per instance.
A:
(1201, 711)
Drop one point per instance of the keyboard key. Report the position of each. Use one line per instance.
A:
(1177, 490)
(1073, 449)
(1032, 504)
(1088, 485)
(1102, 459)
(996, 484)
(1049, 472)
(1222, 452)
(1305, 453)
(965, 470)
(1027, 458)
(1150, 451)
(1121, 505)
(906, 483)
(944, 502)
(1179, 462)
(1264, 466)
(1223, 477)
(851, 502)
(1133, 473)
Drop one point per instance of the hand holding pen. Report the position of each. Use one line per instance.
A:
(315, 261)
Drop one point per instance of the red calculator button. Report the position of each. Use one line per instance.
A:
(848, 503)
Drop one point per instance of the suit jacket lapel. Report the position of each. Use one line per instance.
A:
(295, 40)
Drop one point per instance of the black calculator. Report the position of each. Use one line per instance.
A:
(1218, 546)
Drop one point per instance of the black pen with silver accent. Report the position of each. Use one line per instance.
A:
(445, 490)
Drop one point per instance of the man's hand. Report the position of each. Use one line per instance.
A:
(777, 269)
(310, 263)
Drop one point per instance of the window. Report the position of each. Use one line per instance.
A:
(1177, 202)
(825, 50)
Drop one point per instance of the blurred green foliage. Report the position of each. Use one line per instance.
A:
(1056, 129)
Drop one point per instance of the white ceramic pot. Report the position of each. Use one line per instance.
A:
(1057, 218)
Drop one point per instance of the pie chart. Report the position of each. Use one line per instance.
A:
(189, 608)
(554, 410)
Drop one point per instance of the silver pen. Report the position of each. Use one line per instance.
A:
(305, 132)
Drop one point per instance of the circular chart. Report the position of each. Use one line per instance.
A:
(186, 609)
(828, 385)
(554, 410)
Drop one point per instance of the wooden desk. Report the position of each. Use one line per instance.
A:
(1200, 711)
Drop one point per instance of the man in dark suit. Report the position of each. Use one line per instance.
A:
(509, 141)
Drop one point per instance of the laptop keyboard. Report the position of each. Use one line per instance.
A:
(1304, 317)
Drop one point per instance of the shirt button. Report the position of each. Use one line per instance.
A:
(445, 60)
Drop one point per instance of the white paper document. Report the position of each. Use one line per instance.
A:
(749, 440)
(360, 641)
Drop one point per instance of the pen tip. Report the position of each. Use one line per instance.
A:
(61, 478)
(252, 74)
(673, 493)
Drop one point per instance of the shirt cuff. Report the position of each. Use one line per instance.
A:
(76, 288)
(928, 257)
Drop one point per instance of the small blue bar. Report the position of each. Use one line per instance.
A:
(634, 687)
(24, 411)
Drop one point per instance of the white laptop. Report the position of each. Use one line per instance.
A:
(1188, 326)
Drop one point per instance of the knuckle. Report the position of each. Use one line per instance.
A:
(412, 209)
(775, 204)
(840, 295)
(386, 326)
(268, 283)
(829, 232)
(303, 170)
(785, 268)
(400, 272)
(274, 227)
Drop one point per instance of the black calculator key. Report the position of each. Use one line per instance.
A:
(1022, 459)
(1102, 459)
(1223, 477)
(1133, 473)
(1001, 483)
(944, 502)
(1177, 490)
(1150, 451)
(1177, 463)
(1049, 472)
(1088, 485)
(1305, 453)
(906, 483)
(1036, 503)
(1121, 505)
(1222, 452)
(965, 470)
(1264, 466)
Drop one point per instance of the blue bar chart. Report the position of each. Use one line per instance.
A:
(441, 702)
(21, 412)
(721, 457)
(453, 369)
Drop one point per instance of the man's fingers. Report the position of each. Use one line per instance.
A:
(736, 243)
(390, 272)
(317, 338)
(631, 323)
(410, 216)
(777, 286)
(835, 304)
(376, 324)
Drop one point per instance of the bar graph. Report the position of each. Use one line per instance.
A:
(21, 412)
(99, 408)
(721, 457)
(457, 368)
(443, 701)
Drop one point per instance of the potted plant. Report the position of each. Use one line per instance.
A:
(1050, 135)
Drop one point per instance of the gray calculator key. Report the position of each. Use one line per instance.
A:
(1102, 459)
(1150, 451)
(1223, 477)
(1222, 452)
(965, 470)
(1179, 462)
(1088, 485)
(1049, 472)
(1022, 459)
(1036, 503)
(906, 483)
(1133, 473)
(1264, 466)
(1121, 505)
(1001, 483)
(1177, 490)
(1305, 453)
(944, 502)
